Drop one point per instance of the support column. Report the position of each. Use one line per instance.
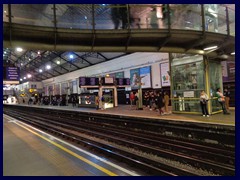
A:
(207, 82)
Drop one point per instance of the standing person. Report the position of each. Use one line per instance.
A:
(203, 102)
(226, 93)
(97, 102)
(160, 103)
(166, 102)
(221, 100)
(132, 97)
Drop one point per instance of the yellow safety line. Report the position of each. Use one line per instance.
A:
(71, 152)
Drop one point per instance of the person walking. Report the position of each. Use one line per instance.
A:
(203, 102)
(221, 100)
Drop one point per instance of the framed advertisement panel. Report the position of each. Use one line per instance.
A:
(145, 75)
(134, 76)
(165, 74)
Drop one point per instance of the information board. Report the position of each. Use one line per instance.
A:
(12, 73)
(88, 81)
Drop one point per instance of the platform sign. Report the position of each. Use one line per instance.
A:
(123, 81)
(82, 81)
(12, 73)
(88, 81)
(93, 81)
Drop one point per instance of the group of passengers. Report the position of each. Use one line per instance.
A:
(223, 99)
(156, 101)
(153, 100)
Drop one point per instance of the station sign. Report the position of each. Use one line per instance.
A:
(88, 81)
(12, 73)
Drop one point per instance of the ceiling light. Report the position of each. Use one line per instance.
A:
(38, 52)
(209, 48)
(21, 79)
(48, 67)
(24, 78)
(19, 49)
(71, 56)
(29, 75)
(5, 52)
(233, 53)
(58, 62)
(40, 70)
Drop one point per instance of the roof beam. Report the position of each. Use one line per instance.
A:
(66, 60)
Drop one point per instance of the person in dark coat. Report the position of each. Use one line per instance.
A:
(160, 102)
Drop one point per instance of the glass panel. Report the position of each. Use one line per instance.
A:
(188, 81)
(221, 19)
(74, 16)
(215, 18)
(5, 13)
(186, 16)
(231, 14)
(33, 14)
(139, 15)
(215, 78)
(103, 16)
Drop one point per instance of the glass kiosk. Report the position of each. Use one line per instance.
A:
(189, 76)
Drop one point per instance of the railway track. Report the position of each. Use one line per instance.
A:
(216, 159)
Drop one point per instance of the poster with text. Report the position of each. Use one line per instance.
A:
(134, 78)
(165, 74)
(145, 75)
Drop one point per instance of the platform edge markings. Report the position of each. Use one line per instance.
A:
(23, 125)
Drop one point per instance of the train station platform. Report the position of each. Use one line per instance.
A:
(28, 151)
(127, 110)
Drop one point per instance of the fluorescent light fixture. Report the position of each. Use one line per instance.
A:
(48, 67)
(40, 70)
(209, 48)
(233, 53)
(19, 49)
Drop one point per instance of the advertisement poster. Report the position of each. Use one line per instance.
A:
(145, 75)
(119, 75)
(134, 78)
(165, 74)
(57, 89)
(64, 88)
(228, 71)
(74, 83)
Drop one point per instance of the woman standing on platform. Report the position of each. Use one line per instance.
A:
(221, 100)
(203, 103)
